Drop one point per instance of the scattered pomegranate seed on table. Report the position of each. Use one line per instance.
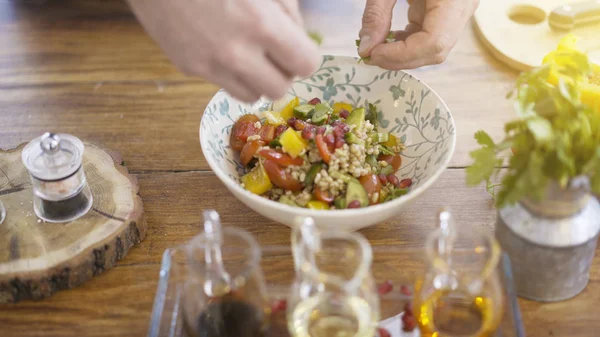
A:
(408, 309)
(383, 332)
(405, 290)
(279, 305)
(408, 323)
(385, 287)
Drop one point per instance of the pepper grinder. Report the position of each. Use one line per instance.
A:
(60, 190)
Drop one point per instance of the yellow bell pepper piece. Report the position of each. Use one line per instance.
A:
(257, 181)
(317, 204)
(393, 141)
(589, 87)
(339, 106)
(274, 118)
(292, 142)
(288, 111)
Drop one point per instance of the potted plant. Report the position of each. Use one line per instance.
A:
(549, 217)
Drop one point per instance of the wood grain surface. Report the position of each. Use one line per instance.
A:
(86, 67)
(39, 258)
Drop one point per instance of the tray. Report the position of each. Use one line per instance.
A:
(398, 265)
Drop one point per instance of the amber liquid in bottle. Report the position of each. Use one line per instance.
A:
(454, 314)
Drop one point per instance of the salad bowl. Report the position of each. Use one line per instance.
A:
(405, 107)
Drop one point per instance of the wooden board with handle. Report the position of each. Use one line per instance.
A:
(520, 33)
(39, 258)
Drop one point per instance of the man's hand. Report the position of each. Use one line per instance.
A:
(433, 30)
(249, 47)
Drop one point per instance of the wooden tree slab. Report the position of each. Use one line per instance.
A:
(39, 258)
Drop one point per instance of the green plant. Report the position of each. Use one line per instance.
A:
(555, 138)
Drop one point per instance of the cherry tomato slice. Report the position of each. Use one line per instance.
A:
(267, 133)
(281, 158)
(395, 160)
(323, 149)
(323, 196)
(242, 129)
(279, 177)
(249, 150)
(372, 185)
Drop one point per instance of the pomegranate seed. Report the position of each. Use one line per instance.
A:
(345, 127)
(280, 129)
(408, 323)
(308, 133)
(385, 287)
(314, 101)
(338, 132)
(383, 179)
(405, 183)
(336, 123)
(393, 180)
(354, 204)
(320, 130)
(329, 139)
(299, 125)
(279, 305)
(383, 332)
(405, 290)
(344, 113)
(408, 309)
(339, 143)
(291, 121)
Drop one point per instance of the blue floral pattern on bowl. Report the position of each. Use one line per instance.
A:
(407, 108)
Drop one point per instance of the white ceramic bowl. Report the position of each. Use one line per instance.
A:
(409, 109)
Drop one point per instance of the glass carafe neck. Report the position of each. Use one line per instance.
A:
(335, 259)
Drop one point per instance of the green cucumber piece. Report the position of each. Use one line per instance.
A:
(343, 177)
(387, 170)
(319, 116)
(303, 111)
(351, 138)
(340, 203)
(312, 173)
(355, 191)
(379, 137)
(356, 117)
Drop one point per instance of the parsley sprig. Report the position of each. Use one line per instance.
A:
(555, 138)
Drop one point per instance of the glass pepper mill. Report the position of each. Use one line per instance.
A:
(60, 190)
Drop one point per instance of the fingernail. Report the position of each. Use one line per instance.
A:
(365, 44)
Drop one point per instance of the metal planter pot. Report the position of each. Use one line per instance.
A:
(552, 242)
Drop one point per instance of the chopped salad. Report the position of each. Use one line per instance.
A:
(319, 156)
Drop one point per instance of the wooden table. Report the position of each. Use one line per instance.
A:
(87, 68)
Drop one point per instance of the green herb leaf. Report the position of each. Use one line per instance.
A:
(484, 139)
(556, 137)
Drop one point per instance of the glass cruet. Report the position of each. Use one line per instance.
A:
(224, 294)
(459, 293)
(60, 189)
(334, 293)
